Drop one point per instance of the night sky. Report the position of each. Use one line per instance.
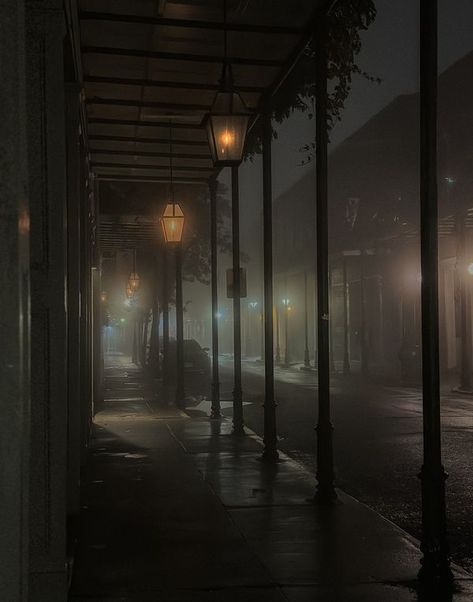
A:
(390, 51)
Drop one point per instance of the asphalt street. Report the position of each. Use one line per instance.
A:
(377, 442)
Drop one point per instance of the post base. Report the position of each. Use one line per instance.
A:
(435, 577)
(215, 414)
(270, 456)
(325, 496)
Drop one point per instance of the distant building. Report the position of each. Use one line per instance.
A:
(374, 217)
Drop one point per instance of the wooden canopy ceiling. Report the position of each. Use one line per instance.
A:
(147, 64)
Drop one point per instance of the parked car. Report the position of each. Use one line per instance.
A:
(196, 358)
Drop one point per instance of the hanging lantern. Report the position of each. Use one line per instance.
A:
(172, 222)
(226, 125)
(129, 291)
(134, 281)
(227, 122)
(103, 297)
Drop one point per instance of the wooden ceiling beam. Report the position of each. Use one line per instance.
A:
(180, 56)
(190, 23)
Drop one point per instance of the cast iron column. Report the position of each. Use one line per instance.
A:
(325, 473)
(346, 354)
(286, 334)
(465, 307)
(215, 411)
(306, 325)
(278, 344)
(165, 296)
(364, 349)
(270, 452)
(262, 335)
(180, 394)
(237, 390)
(435, 562)
(330, 324)
(135, 346)
(144, 342)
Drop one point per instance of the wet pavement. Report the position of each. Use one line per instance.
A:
(175, 508)
(377, 442)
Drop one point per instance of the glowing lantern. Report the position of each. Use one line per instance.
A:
(129, 291)
(172, 223)
(134, 281)
(226, 125)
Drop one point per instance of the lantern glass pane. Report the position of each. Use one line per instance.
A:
(173, 223)
(228, 133)
(226, 128)
(134, 281)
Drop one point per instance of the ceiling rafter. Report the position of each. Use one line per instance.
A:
(163, 179)
(133, 139)
(134, 153)
(180, 56)
(155, 124)
(121, 102)
(153, 167)
(190, 23)
(126, 81)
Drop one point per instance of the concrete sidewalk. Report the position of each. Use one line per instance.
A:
(176, 509)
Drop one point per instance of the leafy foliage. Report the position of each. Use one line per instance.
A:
(196, 247)
(345, 22)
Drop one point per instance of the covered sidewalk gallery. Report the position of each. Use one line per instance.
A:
(168, 94)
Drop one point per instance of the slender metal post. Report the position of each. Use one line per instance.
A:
(157, 341)
(246, 330)
(215, 411)
(145, 340)
(270, 440)
(165, 302)
(134, 358)
(238, 428)
(346, 354)
(325, 472)
(465, 320)
(286, 335)
(261, 319)
(364, 348)
(435, 569)
(180, 393)
(278, 345)
(330, 324)
(306, 324)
